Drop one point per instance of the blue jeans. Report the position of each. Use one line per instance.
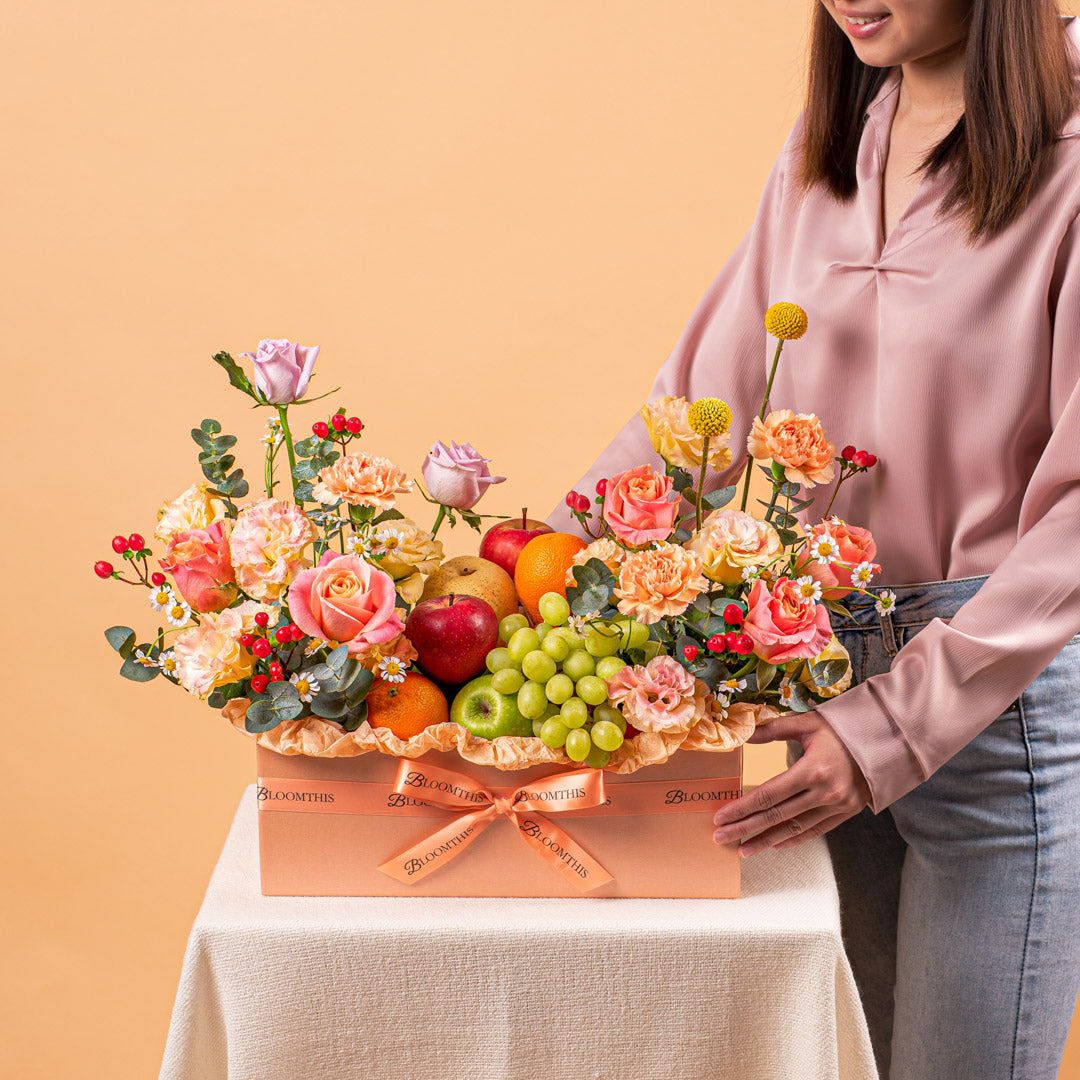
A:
(960, 902)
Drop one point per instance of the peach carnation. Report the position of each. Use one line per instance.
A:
(731, 540)
(361, 480)
(675, 441)
(210, 655)
(659, 582)
(798, 442)
(266, 546)
(661, 696)
(604, 549)
(194, 509)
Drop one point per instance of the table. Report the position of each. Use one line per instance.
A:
(328, 988)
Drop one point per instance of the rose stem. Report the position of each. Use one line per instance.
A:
(283, 414)
(438, 520)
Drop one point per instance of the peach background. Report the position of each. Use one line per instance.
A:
(494, 218)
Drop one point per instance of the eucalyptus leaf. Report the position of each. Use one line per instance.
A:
(224, 442)
(330, 706)
(682, 535)
(701, 603)
(356, 717)
(202, 439)
(337, 658)
(829, 672)
(216, 700)
(787, 537)
(681, 480)
(212, 427)
(306, 447)
(720, 497)
(593, 599)
(265, 713)
(226, 462)
(800, 700)
(137, 672)
(122, 639)
(303, 491)
(356, 678)
(212, 473)
(306, 469)
(710, 671)
(388, 515)
(357, 691)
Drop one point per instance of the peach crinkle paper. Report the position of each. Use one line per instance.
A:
(314, 737)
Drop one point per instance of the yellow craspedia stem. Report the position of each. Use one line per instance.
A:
(785, 321)
(709, 417)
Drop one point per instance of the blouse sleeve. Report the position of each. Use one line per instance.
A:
(720, 353)
(951, 680)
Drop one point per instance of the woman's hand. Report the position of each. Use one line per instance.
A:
(822, 789)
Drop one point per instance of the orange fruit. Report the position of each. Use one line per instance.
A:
(542, 566)
(406, 708)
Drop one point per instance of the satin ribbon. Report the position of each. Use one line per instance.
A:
(477, 806)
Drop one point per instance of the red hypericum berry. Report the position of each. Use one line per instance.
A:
(137, 542)
(157, 578)
(716, 643)
(338, 421)
(247, 640)
(860, 458)
(277, 678)
(571, 499)
(731, 638)
(690, 652)
(871, 460)
(262, 648)
(120, 544)
(103, 569)
(847, 452)
(261, 618)
(321, 428)
(734, 615)
(601, 488)
(295, 632)
(275, 668)
(259, 683)
(743, 645)
(582, 503)
(283, 634)
(354, 425)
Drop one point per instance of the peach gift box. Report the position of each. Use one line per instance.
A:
(343, 827)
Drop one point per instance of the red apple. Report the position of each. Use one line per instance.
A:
(502, 543)
(452, 636)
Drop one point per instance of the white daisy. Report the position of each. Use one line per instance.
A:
(167, 662)
(387, 540)
(144, 658)
(272, 439)
(824, 549)
(732, 686)
(863, 574)
(162, 597)
(392, 669)
(834, 520)
(316, 643)
(358, 544)
(751, 573)
(809, 589)
(886, 601)
(179, 613)
(787, 691)
(306, 686)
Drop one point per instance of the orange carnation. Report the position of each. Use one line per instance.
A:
(658, 582)
(361, 480)
(798, 442)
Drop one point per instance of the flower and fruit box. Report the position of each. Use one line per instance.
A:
(558, 715)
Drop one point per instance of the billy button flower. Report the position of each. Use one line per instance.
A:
(707, 417)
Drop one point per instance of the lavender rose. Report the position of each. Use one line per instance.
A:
(282, 369)
(456, 475)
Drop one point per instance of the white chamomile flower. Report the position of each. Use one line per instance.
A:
(388, 540)
(178, 613)
(886, 601)
(306, 686)
(825, 549)
(787, 691)
(732, 686)
(863, 574)
(809, 589)
(144, 658)
(317, 643)
(751, 573)
(392, 669)
(577, 623)
(358, 544)
(167, 662)
(272, 439)
(834, 520)
(162, 597)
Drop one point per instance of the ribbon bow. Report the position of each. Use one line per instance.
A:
(478, 806)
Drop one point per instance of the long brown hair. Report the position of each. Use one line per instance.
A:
(1018, 93)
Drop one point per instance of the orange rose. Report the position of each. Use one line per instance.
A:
(658, 582)
(798, 442)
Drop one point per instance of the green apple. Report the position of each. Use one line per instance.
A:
(481, 709)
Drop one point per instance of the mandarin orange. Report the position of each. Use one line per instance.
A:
(406, 708)
(542, 566)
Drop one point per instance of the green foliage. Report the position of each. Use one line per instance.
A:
(720, 497)
(312, 456)
(136, 671)
(280, 702)
(122, 639)
(355, 717)
(764, 674)
(236, 375)
(216, 462)
(593, 588)
(828, 672)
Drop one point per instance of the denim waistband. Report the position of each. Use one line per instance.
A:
(916, 603)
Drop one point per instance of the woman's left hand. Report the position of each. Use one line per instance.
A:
(822, 789)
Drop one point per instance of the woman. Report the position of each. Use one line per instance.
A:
(924, 213)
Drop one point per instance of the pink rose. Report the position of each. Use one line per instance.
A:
(785, 625)
(282, 369)
(855, 545)
(346, 600)
(456, 475)
(201, 566)
(636, 506)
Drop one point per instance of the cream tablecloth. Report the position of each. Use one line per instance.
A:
(299, 988)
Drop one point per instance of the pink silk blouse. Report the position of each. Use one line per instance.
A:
(959, 367)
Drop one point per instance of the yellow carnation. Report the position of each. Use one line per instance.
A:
(675, 441)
